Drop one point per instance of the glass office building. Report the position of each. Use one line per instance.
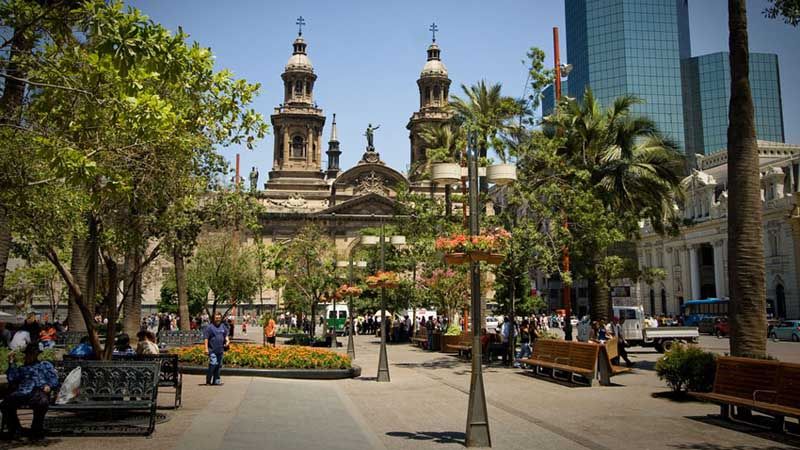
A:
(707, 92)
(631, 47)
(549, 97)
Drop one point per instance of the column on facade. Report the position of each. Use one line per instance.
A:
(286, 145)
(276, 154)
(719, 269)
(694, 269)
(668, 281)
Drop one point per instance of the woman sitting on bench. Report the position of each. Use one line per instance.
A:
(32, 384)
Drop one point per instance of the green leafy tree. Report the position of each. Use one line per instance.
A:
(226, 268)
(307, 269)
(121, 124)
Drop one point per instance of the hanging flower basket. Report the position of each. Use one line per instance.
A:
(387, 280)
(501, 174)
(347, 290)
(446, 173)
(456, 258)
(370, 240)
(491, 258)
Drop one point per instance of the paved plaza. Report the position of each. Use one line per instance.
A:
(424, 406)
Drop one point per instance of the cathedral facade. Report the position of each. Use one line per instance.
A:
(343, 201)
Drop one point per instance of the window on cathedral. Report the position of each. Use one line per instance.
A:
(298, 147)
(773, 243)
(436, 94)
(298, 88)
(308, 88)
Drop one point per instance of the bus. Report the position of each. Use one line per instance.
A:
(337, 319)
(694, 311)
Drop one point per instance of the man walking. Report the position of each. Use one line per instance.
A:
(216, 339)
(619, 333)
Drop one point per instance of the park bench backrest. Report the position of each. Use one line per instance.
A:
(789, 385)
(69, 338)
(180, 338)
(543, 350)
(114, 380)
(611, 349)
(583, 355)
(466, 338)
(169, 365)
(560, 352)
(743, 377)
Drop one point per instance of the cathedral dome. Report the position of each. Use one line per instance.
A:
(299, 59)
(434, 66)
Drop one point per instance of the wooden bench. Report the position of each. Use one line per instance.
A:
(107, 387)
(769, 387)
(420, 339)
(573, 358)
(464, 345)
(606, 366)
(170, 375)
(180, 338)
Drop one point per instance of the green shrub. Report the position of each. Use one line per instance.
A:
(453, 330)
(687, 367)
(47, 355)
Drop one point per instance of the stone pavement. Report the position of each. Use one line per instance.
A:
(424, 406)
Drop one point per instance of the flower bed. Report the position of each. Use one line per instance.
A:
(259, 357)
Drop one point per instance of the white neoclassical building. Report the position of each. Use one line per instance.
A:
(696, 261)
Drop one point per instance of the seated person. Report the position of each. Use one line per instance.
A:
(123, 345)
(31, 385)
(147, 343)
(84, 349)
(47, 337)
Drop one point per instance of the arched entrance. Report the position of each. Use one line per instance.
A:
(652, 302)
(663, 301)
(780, 301)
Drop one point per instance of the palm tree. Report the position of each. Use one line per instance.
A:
(745, 235)
(636, 171)
(488, 113)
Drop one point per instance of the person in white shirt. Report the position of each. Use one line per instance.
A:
(20, 340)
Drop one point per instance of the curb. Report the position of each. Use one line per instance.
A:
(298, 374)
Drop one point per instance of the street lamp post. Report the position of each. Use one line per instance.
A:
(477, 418)
(383, 360)
(350, 264)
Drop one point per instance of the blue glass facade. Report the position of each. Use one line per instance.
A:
(631, 47)
(549, 97)
(707, 90)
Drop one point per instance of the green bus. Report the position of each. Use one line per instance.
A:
(337, 319)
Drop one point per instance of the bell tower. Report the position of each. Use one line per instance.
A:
(297, 125)
(434, 91)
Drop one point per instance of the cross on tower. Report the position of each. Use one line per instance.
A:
(300, 22)
(433, 28)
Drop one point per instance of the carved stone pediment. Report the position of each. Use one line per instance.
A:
(370, 183)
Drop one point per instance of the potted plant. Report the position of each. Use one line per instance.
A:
(347, 290)
(490, 246)
(444, 169)
(385, 279)
(505, 172)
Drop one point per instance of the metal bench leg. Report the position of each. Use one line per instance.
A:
(725, 411)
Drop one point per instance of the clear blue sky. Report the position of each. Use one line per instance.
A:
(368, 54)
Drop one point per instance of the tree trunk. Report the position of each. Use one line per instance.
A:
(747, 308)
(110, 302)
(599, 304)
(181, 286)
(75, 320)
(132, 294)
(5, 247)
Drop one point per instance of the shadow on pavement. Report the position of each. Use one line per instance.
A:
(439, 437)
(439, 363)
(531, 374)
(752, 430)
(25, 443)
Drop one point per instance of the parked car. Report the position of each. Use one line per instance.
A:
(491, 324)
(722, 327)
(788, 330)
(707, 325)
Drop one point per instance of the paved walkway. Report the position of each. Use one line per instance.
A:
(424, 407)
